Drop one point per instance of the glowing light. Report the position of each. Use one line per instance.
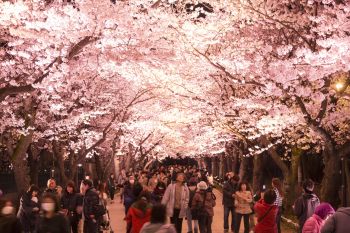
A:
(339, 86)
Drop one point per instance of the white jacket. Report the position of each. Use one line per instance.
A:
(169, 200)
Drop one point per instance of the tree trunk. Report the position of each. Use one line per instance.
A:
(33, 161)
(291, 191)
(332, 179)
(59, 155)
(257, 173)
(98, 166)
(245, 169)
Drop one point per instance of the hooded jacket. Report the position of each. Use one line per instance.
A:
(137, 216)
(338, 223)
(313, 224)
(304, 207)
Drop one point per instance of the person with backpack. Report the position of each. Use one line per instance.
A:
(304, 207)
(315, 222)
(228, 200)
(338, 222)
(266, 212)
(192, 187)
(92, 210)
(158, 221)
(203, 203)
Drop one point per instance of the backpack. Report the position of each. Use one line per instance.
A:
(310, 205)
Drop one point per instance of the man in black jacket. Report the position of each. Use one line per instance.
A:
(90, 207)
(228, 200)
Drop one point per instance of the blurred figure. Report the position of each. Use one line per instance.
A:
(176, 198)
(29, 209)
(69, 205)
(128, 193)
(102, 194)
(203, 202)
(316, 221)
(338, 222)
(8, 221)
(51, 221)
(158, 221)
(59, 191)
(266, 213)
(243, 198)
(277, 187)
(304, 207)
(111, 186)
(139, 213)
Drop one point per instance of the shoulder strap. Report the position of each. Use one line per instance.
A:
(266, 213)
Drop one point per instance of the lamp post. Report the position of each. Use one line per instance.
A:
(117, 157)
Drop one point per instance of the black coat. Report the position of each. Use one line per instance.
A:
(228, 190)
(69, 201)
(26, 215)
(10, 224)
(91, 203)
(56, 224)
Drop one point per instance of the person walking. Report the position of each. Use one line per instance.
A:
(8, 221)
(266, 212)
(176, 198)
(69, 205)
(228, 200)
(128, 193)
(158, 221)
(305, 205)
(29, 209)
(139, 213)
(243, 198)
(51, 221)
(111, 186)
(315, 222)
(338, 222)
(277, 187)
(203, 203)
(191, 219)
(90, 207)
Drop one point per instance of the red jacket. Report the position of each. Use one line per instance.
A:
(136, 217)
(268, 223)
(313, 224)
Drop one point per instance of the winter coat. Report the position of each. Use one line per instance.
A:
(169, 200)
(157, 228)
(304, 207)
(338, 222)
(268, 223)
(9, 224)
(128, 195)
(243, 200)
(136, 217)
(209, 202)
(56, 224)
(26, 215)
(90, 203)
(313, 224)
(228, 190)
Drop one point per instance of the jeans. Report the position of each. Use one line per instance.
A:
(176, 220)
(238, 222)
(190, 221)
(278, 218)
(227, 211)
(205, 224)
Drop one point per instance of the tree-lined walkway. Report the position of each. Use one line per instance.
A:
(119, 225)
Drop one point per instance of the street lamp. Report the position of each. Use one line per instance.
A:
(339, 86)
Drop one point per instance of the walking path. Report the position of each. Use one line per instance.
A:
(117, 215)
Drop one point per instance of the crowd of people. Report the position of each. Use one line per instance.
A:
(175, 192)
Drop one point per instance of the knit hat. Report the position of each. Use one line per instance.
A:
(202, 185)
(324, 209)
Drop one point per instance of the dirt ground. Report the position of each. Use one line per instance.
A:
(119, 226)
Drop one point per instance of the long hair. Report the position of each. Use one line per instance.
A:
(278, 185)
(242, 183)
